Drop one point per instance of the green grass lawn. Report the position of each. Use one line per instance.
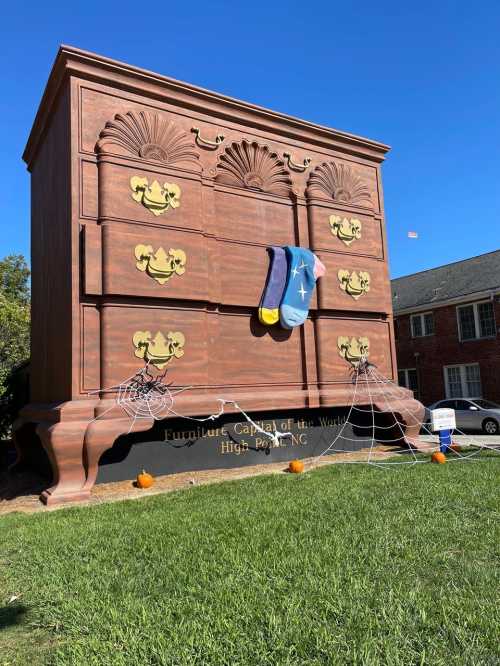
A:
(345, 565)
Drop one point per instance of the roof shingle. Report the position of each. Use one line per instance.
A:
(461, 278)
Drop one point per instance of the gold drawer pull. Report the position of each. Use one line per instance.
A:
(160, 265)
(348, 230)
(159, 350)
(294, 165)
(354, 349)
(355, 283)
(155, 197)
(206, 143)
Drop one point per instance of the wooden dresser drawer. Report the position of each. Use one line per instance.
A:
(353, 283)
(154, 262)
(335, 230)
(250, 216)
(220, 348)
(117, 190)
(177, 265)
(339, 340)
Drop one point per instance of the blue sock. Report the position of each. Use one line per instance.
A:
(303, 269)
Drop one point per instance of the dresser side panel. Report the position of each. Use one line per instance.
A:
(51, 307)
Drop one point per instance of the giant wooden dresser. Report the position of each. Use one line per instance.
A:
(153, 202)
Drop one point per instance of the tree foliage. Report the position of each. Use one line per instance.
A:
(14, 334)
(14, 276)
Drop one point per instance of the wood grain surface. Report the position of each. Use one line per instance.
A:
(89, 298)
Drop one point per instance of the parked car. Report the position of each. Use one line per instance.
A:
(470, 414)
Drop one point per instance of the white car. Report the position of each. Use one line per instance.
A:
(471, 414)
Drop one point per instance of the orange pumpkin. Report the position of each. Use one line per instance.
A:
(295, 466)
(456, 447)
(438, 457)
(144, 480)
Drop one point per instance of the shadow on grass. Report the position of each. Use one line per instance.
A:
(21, 483)
(12, 615)
(21, 479)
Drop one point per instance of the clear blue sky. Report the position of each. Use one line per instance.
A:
(423, 77)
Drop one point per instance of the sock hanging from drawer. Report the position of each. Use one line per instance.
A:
(304, 268)
(275, 286)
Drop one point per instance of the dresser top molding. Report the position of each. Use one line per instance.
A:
(89, 66)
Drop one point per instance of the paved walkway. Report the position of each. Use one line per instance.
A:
(488, 440)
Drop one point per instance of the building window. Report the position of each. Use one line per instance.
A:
(409, 379)
(476, 321)
(422, 324)
(463, 381)
(473, 381)
(486, 317)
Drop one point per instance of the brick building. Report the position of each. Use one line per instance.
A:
(447, 328)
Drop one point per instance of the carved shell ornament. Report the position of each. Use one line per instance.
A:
(354, 350)
(155, 197)
(247, 164)
(159, 350)
(340, 183)
(159, 265)
(354, 283)
(150, 136)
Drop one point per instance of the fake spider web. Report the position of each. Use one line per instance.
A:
(367, 375)
(144, 396)
(148, 396)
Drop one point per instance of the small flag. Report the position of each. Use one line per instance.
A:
(412, 234)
